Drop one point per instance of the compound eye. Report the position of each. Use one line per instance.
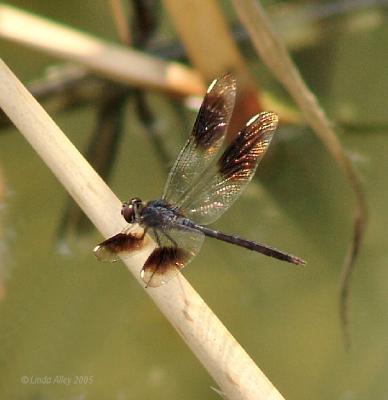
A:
(127, 213)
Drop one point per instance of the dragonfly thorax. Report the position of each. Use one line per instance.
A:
(131, 210)
(159, 213)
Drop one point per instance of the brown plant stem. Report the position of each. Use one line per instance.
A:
(274, 54)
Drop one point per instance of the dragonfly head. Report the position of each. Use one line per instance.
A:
(131, 210)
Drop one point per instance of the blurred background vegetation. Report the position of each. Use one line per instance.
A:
(64, 314)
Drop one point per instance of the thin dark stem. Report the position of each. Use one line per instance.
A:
(148, 119)
(102, 149)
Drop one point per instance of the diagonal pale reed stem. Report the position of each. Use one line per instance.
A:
(106, 59)
(235, 372)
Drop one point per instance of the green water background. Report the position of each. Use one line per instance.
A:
(68, 316)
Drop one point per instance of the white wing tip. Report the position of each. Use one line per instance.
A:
(253, 119)
(211, 86)
(268, 117)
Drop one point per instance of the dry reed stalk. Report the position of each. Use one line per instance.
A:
(203, 30)
(211, 49)
(230, 366)
(120, 21)
(105, 59)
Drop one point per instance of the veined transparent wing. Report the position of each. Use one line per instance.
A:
(224, 181)
(124, 244)
(176, 248)
(205, 139)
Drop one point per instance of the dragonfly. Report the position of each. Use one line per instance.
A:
(199, 189)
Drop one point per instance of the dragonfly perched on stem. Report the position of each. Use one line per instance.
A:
(199, 189)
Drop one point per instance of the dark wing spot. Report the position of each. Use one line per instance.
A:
(163, 258)
(162, 265)
(110, 249)
(241, 157)
(214, 113)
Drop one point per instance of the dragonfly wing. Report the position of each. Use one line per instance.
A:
(122, 245)
(176, 248)
(205, 139)
(224, 181)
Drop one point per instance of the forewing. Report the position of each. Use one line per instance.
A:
(176, 248)
(225, 180)
(123, 245)
(205, 139)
